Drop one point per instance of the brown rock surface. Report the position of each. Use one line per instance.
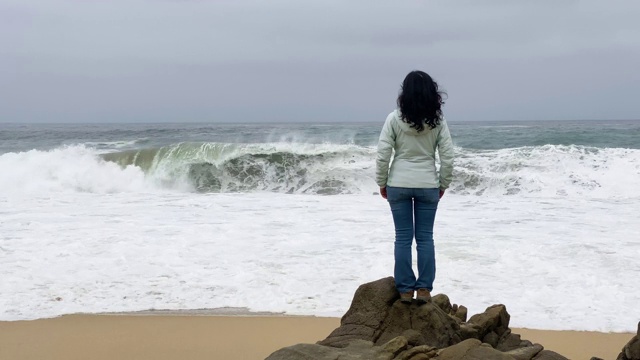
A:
(526, 353)
(510, 341)
(377, 315)
(370, 306)
(472, 349)
(461, 313)
(549, 355)
(443, 302)
(495, 318)
(378, 326)
(631, 351)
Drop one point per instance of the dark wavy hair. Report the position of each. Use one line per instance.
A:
(420, 101)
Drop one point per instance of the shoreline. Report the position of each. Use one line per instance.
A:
(229, 333)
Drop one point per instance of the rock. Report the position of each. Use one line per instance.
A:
(510, 341)
(304, 351)
(378, 326)
(370, 306)
(492, 339)
(526, 353)
(418, 352)
(357, 350)
(442, 301)
(396, 345)
(525, 343)
(414, 338)
(595, 358)
(549, 355)
(438, 328)
(469, 331)
(422, 357)
(631, 351)
(397, 321)
(471, 349)
(458, 350)
(461, 313)
(495, 318)
(377, 315)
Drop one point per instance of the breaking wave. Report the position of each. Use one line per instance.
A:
(327, 169)
(278, 167)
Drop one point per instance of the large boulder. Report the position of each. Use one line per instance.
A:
(378, 326)
(631, 351)
(377, 315)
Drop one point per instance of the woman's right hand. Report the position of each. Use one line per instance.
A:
(441, 193)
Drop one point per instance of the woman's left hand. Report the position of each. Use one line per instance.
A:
(383, 192)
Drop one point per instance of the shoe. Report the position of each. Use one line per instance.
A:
(406, 297)
(423, 296)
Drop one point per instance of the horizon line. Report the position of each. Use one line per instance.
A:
(287, 122)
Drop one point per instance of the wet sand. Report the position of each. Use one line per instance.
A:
(205, 336)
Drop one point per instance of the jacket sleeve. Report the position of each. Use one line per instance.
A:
(445, 151)
(386, 143)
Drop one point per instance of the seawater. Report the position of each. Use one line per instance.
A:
(541, 216)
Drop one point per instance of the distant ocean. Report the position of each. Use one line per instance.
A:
(541, 216)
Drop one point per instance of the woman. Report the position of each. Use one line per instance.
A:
(412, 185)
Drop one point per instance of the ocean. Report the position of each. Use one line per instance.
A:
(541, 217)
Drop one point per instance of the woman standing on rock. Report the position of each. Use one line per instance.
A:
(412, 185)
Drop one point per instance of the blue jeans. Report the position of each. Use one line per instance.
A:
(407, 204)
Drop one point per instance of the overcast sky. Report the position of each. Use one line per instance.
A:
(329, 60)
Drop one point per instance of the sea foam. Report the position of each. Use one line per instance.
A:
(80, 232)
(72, 168)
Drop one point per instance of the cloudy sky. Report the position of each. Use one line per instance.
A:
(329, 60)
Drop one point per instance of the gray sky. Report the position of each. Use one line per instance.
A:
(329, 60)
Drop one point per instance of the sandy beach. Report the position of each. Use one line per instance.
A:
(193, 336)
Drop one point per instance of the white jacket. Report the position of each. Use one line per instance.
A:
(414, 164)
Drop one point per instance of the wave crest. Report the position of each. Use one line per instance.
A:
(328, 169)
(280, 167)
